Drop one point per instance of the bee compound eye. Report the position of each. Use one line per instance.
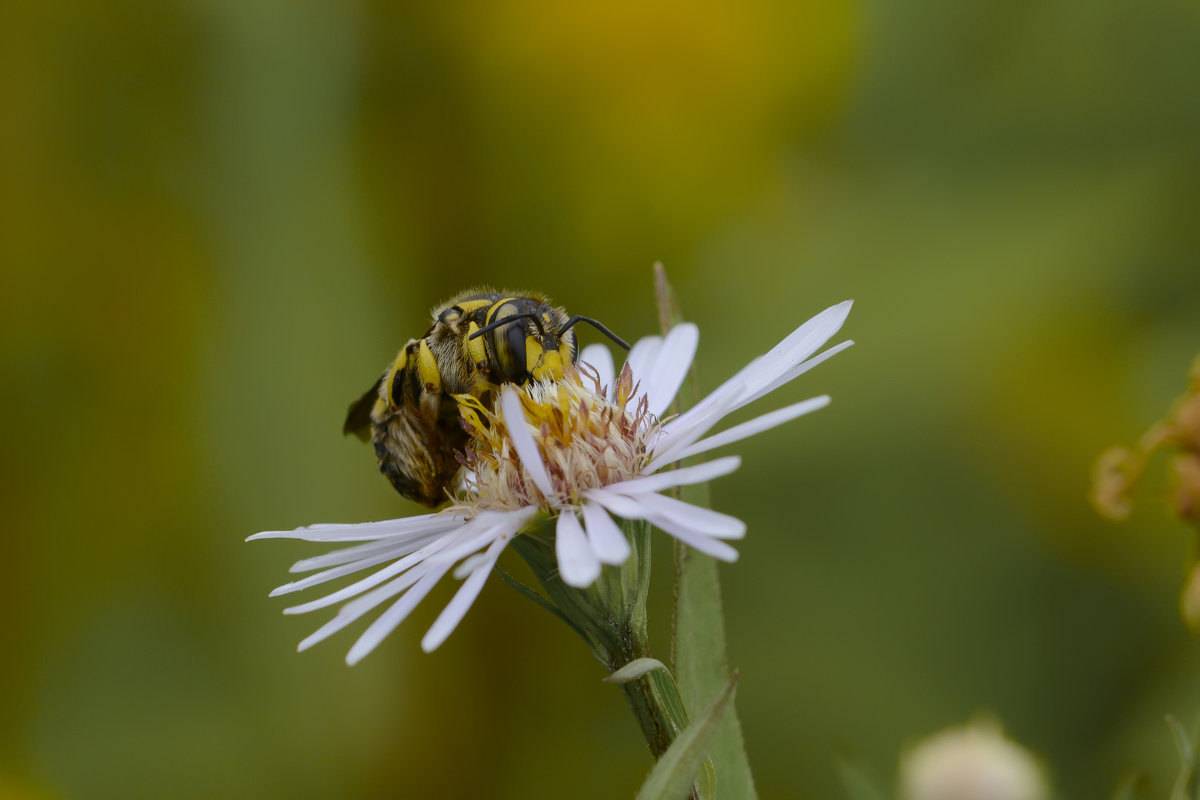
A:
(450, 315)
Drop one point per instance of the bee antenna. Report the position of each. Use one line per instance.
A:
(505, 321)
(573, 321)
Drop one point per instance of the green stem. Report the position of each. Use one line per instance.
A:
(653, 697)
(611, 615)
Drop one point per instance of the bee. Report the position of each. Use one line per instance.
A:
(478, 341)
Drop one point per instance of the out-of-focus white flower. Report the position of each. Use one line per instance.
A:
(578, 454)
(974, 762)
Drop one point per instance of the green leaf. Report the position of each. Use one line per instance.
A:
(859, 785)
(698, 644)
(635, 669)
(530, 594)
(673, 775)
(700, 664)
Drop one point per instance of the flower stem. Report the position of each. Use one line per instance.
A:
(653, 698)
(612, 616)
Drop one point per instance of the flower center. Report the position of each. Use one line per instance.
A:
(584, 439)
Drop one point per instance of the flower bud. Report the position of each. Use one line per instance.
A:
(974, 762)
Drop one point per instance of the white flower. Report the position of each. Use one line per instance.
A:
(590, 454)
(974, 762)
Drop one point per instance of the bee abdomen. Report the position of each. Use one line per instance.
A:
(417, 455)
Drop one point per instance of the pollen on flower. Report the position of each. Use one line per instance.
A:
(586, 441)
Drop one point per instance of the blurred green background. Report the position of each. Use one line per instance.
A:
(222, 219)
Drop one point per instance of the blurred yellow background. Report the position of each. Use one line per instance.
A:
(222, 219)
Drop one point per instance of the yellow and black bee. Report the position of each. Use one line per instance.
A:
(478, 340)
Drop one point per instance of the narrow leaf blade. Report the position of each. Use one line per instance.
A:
(698, 643)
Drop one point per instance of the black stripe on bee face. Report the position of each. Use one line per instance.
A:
(514, 368)
(506, 333)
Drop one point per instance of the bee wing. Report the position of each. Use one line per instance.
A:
(358, 417)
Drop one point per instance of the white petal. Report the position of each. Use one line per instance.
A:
(670, 367)
(389, 619)
(797, 371)
(390, 572)
(458, 606)
(695, 518)
(641, 357)
(756, 425)
(701, 542)
(340, 571)
(797, 346)
(464, 547)
(694, 423)
(809, 337)
(420, 574)
(365, 531)
(619, 504)
(709, 410)
(522, 440)
(608, 541)
(751, 382)
(667, 448)
(362, 551)
(599, 357)
(685, 476)
(470, 564)
(484, 529)
(577, 564)
(468, 532)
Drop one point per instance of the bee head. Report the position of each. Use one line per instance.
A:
(528, 339)
(531, 339)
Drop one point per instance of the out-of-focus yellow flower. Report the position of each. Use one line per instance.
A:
(1118, 470)
(973, 762)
